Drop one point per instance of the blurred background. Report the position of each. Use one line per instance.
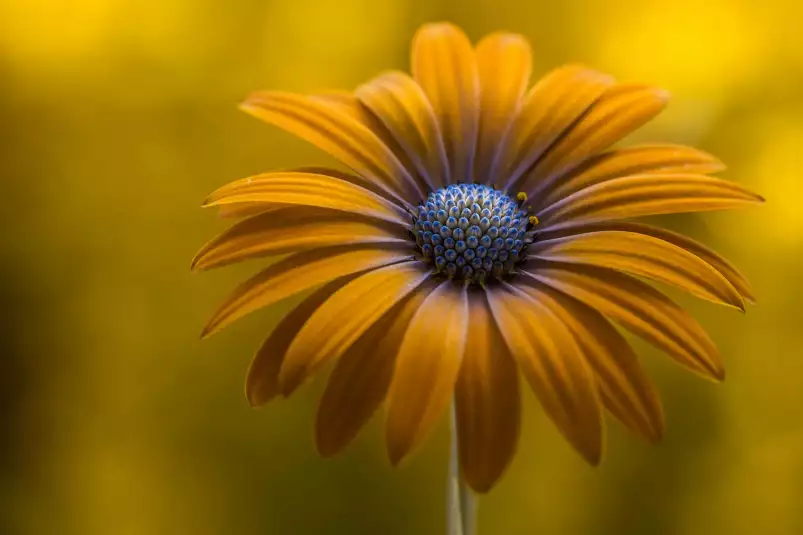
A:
(118, 116)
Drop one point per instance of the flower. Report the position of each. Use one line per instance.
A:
(483, 231)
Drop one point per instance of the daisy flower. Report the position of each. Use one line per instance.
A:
(483, 232)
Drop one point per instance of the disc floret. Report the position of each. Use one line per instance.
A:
(472, 232)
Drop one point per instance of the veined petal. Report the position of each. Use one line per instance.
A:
(645, 256)
(342, 319)
(504, 65)
(445, 67)
(307, 189)
(622, 109)
(338, 134)
(638, 307)
(553, 365)
(487, 403)
(346, 102)
(294, 229)
(426, 368)
(262, 381)
(297, 273)
(644, 195)
(362, 376)
(636, 160)
(400, 103)
(235, 211)
(550, 109)
(715, 260)
(625, 388)
(358, 180)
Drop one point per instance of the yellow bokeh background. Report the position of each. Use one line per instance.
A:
(118, 116)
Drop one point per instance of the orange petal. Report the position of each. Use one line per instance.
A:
(553, 365)
(338, 134)
(487, 403)
(551, 107)
(233, 211)
(307, 189)
(361, 378)
(295, 274)
(400, 103)
(622, 109)
(426, 368)
(341, 320)
(717, 261)
(645, 256)
(625, 388)
(445, 67)
(262, 381)
(294, 229)
(504, 65)
(249, 209)
(639, 307)
(644, 195)
(637, 160)
(347, 103)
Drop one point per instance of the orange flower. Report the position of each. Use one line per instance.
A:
(483, 232)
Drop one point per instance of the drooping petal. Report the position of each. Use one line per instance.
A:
(715, 260)
(362, 376)
(444, 65)
(262, 381)
(622, 109)
(297, 273)
(550, 109)
(625, 388)
(638, 307)
(344, 317)
(656, 158)
(645, 256)
(504, 65)
(400, 103)
(307, 189)
(427, 366)
(294, 229)
(553, 365)
(338, 134)
(487, 403)
(644, 195)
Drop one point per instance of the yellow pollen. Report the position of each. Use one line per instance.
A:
(533, 220)
(521, 197)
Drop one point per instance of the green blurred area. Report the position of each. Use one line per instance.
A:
(118, 116)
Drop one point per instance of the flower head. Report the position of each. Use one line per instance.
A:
(483, 232)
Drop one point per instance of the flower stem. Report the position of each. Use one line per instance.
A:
(462, 505)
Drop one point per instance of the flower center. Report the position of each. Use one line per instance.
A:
(470, 232)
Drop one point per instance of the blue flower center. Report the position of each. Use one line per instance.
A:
(471, 232)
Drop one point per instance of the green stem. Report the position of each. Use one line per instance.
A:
(462, 505)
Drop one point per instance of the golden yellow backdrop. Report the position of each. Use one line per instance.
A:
(118, 116)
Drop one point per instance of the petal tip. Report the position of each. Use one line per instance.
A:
(439, 27)
(254, 401)
(208, 330)
(396, 452)
(481, 486)
(593, 458)
(717, 374)
(289, 380)
(196, 264)
(395, 458)
(663, 95)
(326, 449)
